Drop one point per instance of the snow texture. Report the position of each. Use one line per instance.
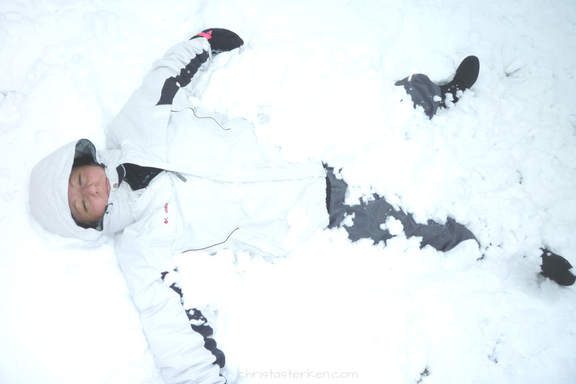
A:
(315, 77)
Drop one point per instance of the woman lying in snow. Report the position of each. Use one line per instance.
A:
(173, 181)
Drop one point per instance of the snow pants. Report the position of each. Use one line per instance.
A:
(369, 216)
(423, 91)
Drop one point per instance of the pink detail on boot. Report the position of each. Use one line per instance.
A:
(206, 35)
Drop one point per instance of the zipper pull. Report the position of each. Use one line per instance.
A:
(178, 175)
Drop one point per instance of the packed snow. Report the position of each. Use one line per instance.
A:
(315, 77)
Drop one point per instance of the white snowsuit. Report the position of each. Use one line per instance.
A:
(237, 194)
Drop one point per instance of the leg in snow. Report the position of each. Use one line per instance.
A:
(369, 216)
(430, 96)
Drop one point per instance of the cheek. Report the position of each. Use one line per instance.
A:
(99, 206)
(71, 194)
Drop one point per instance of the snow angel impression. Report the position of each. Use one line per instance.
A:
(171, 181)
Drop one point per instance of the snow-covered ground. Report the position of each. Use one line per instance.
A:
(315, 77)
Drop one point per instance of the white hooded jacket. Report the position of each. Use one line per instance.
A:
(221, 189)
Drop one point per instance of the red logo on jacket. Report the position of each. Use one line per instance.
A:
(166, 210)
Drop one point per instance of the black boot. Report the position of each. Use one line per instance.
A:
(556, 268)
(465, 77)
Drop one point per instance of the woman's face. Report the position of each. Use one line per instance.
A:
(88, 191)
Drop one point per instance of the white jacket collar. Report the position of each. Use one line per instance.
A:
(118, 214)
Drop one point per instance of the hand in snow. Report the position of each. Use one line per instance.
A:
(221, 40)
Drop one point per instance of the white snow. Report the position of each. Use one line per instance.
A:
(315, 77)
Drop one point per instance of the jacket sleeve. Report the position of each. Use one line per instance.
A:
(182, 353)
(144, 119)
(176, 70)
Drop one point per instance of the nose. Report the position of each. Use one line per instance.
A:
(92, 190)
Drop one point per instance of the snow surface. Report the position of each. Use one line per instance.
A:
(315, 77)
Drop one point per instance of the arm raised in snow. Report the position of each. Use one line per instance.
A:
(145, 117)
(180, 351)
(182, 62)
(176, 70)
(182, 354)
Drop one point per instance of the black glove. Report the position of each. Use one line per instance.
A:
(221, 40)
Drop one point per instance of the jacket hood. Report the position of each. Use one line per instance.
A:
(49, 192)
